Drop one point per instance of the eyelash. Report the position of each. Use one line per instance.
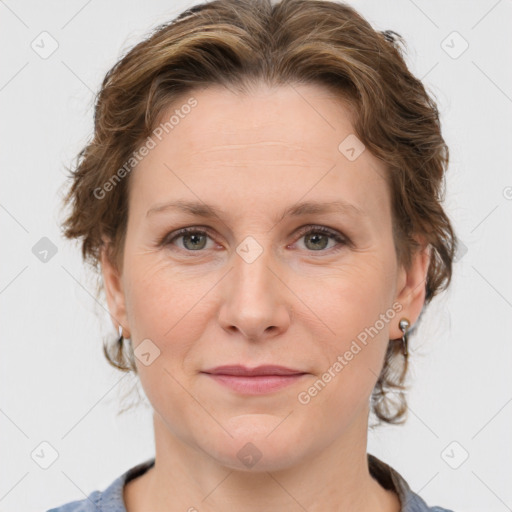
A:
(306, 230)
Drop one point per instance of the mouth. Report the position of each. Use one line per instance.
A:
(242, 371)
(254, 381)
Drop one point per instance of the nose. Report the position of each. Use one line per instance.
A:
(255, 298)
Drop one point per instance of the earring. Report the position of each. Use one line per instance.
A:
(121, 339)
(404, 327)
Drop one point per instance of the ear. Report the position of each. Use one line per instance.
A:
(114, 289)
(411, 287)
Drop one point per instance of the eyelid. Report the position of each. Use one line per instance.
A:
(321, 229)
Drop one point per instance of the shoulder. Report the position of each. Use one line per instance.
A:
(88, 504)
(108, 500)
(416, 504)
(390, 478)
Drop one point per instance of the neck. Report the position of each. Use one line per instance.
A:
(187, 479)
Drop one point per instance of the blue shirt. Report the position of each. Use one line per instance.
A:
(111, 499)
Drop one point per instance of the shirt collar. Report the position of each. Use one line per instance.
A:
(111, 499)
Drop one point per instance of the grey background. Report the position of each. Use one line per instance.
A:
(55, 386)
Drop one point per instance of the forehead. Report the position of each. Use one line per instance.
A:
(299, 116)
(263, 143)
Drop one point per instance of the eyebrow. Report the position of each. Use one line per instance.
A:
(305, 208)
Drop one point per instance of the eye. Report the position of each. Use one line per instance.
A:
(194, 239)
(316, 238)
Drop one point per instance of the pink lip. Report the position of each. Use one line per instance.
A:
(254, 381)
(240, 370)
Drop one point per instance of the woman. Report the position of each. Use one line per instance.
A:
(263, 197)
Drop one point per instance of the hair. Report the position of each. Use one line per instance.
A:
(239, 43)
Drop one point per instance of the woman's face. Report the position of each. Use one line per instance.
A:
(249, 286)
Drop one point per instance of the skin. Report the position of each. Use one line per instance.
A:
(299, 304)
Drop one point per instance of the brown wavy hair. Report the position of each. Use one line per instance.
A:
(237, 43)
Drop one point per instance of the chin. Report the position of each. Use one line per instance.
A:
(257, 448)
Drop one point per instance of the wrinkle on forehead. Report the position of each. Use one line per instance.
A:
(273, 153)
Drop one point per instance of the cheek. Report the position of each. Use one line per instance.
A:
(161, 309)
(167, 308)
(159, 298)
(358, 310)
(357, 295)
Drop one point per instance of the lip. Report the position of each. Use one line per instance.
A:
(254, 381)
(239, 370)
